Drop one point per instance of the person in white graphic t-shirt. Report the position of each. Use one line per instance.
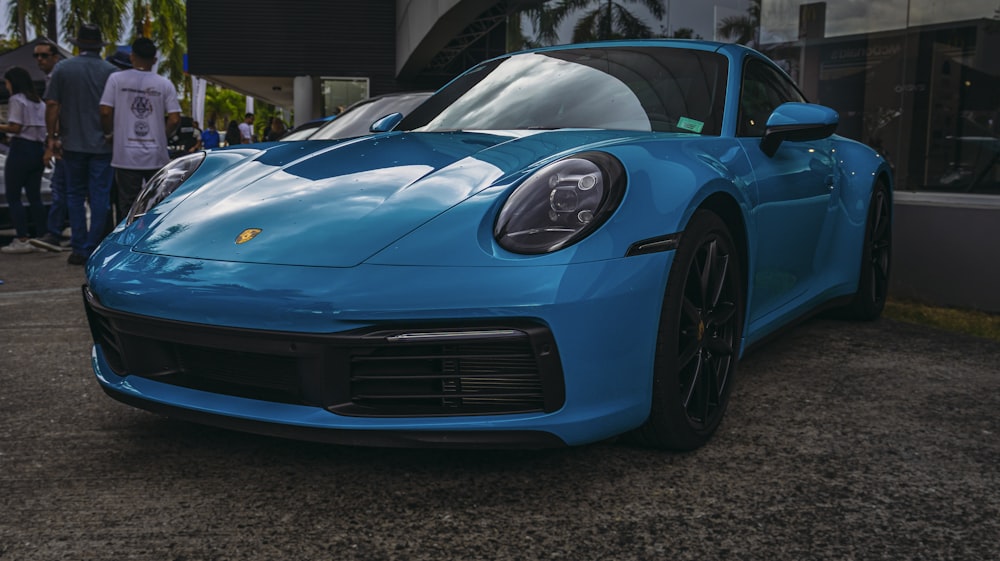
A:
(139, 112)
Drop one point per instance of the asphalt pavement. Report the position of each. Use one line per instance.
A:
(843, 441)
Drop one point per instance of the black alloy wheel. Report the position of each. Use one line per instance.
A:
(698, 341)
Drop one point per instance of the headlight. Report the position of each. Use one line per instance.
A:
(561, 204)
(163, 183)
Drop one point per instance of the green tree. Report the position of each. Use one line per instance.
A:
(222, 106)
(684, 33)
(165, 22)
(40, 16)
(744, 30)
(516, 39)
(25, 14)
(108, 14)
(7, 45)
(262, 115)
(602, 19)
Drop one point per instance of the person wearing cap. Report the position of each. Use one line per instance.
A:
(75, 134)
(120, 59)
(133, 107)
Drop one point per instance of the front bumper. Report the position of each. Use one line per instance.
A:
(567, 356)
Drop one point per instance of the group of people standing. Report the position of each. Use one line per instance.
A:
(242, 133)
(99, 125)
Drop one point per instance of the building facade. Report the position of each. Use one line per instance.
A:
(314, 55)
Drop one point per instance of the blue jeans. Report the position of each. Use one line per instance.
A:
(57, 210)
(88, 178)
(24, 171)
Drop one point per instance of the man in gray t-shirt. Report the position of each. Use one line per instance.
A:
(72, 98)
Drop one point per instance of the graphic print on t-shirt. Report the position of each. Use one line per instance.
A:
(141, 106)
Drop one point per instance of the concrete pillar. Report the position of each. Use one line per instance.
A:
(302, 96)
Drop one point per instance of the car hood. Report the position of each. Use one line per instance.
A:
(336, 205)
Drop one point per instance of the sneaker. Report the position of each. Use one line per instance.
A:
(48, 242)
(76, 259)
(18, 246)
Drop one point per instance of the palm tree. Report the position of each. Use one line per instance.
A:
(684, 33)
(42, 16)
(604, 19)
(108, 14)
(24, 13)
(167, 28)
(744, 30)
(516, 39)
(163, 21)
(222, 105)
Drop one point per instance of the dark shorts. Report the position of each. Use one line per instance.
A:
(129, 183)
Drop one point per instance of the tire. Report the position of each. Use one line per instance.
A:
(698, 339)
(876, 260)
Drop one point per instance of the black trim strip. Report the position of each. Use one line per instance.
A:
(658, 244)
(369, 438)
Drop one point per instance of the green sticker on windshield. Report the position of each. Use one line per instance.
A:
(690, 125)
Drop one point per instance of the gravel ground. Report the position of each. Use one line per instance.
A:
(843, 441)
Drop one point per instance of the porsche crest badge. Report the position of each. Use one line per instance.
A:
(247, 235)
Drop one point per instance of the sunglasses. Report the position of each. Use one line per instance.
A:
(43, 55)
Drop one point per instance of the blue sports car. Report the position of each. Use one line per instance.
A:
(560, 246)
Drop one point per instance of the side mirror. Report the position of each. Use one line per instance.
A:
(797, 122)
(387, 123)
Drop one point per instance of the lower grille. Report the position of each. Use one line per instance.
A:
(242, 374)
(474, 369)
(487, 377)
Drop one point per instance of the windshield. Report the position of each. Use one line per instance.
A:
(357, 119)
(629, 88)
(303, 132)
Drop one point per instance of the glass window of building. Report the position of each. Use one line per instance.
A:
(338, 93)
(919, 80)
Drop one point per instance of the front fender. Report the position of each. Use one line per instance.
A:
(860, 168)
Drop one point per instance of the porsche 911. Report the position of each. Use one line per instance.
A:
(558, 247)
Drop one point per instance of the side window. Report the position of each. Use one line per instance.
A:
(763, 90)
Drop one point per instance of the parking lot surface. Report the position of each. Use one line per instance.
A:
(843, 441)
